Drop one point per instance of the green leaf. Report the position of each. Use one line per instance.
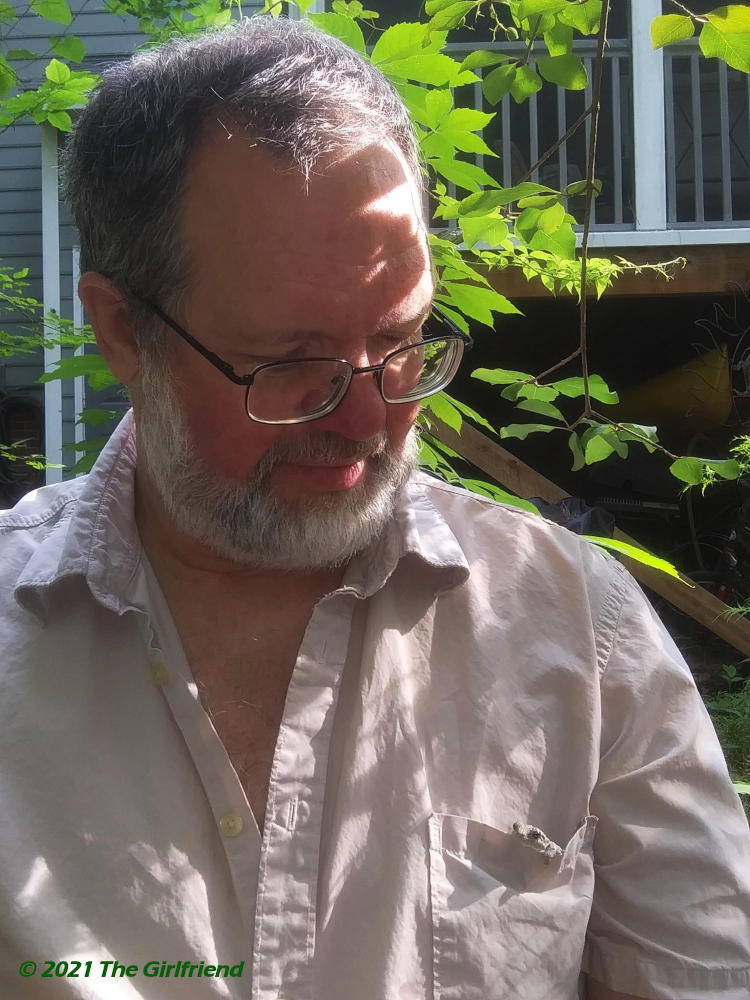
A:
(543, 392)
(452, 15)
(444, 410)
(96, 417)
(559, 39)
(483, 230)
(566, 71)
(434, 68)
(633, 552)
(61, 120)
(69, 47)
(551, 218)
(579, 459)
(526, 83)
(53, 10)
(482, 488)
(93, 366)
(688, 470)
(438, 104)
(7, 13)
(560, 243)
(20, 54)
(468, 119)
(532, 8)
(476, 301)
(584, 17)
(7, 77)
(401, 40)
(499, 376)
(581, 187)
(742, 787)
(465, 175)
(527, 223)
(466, 142)
(733, 19)
(478, 59)
(522, 431)
(57, 72)
(598, 388)
(597, 444)
(497, 84)
(342, 27)
(542, 407)
(467, 411)
(734, 49)
(670, 28)
(726, 468)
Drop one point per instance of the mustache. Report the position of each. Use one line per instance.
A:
(322, 446)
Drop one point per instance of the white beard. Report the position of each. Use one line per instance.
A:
(244, 521)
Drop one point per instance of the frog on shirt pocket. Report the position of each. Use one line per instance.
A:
(508, 918)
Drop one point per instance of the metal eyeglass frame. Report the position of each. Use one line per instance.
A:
(247, 380)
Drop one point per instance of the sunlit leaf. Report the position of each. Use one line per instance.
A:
(525, 83)
(633, 552)
(53, 10)
(733, 48)
(69, 47)
(670, 28)
(566, 71)
(342, 27)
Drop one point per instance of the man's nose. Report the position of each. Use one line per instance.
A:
(362, 412)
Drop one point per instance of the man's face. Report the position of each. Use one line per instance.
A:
(284, 269)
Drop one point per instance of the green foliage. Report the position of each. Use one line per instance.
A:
(724, 33)
(730, 714)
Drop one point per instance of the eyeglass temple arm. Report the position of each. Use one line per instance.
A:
(224, 367)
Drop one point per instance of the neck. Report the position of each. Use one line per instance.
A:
(180, 561)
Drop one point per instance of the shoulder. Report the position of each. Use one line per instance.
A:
(34, 519)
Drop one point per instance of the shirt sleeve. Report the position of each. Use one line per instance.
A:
(671, 911)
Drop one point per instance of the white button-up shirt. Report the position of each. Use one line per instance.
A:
(493, 772)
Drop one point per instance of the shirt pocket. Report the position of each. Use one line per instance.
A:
(507, 921)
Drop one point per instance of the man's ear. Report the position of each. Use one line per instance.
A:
(109, 313)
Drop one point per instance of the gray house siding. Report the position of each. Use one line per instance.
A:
(106, 38)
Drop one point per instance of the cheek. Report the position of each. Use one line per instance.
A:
(222, 434)
(400, 421)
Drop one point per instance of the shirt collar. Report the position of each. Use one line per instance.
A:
(97, 539)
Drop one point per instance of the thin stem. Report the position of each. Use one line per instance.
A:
(560, 364)
(689, 13)
(553, 149)
(627, 430)
(590, 174)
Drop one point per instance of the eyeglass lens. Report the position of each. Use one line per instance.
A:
(296, 390)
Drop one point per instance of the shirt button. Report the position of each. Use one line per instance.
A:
(160, 674)
(231, 825)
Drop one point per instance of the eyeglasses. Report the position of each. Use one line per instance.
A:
(293, 392)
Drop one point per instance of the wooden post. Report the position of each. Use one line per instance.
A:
(514, 475)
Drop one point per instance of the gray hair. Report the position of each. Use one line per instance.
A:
(302, 93)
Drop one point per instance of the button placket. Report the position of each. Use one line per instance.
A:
(287, 885)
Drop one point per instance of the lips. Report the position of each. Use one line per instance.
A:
(323, 476)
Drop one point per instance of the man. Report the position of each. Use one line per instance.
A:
(281, 716)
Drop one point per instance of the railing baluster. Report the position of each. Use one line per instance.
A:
(697, 118)
(617, 137)
(726, 154)
(562, 128)
(507, 165)
(533, 131)
(670, 136)
(478, 106)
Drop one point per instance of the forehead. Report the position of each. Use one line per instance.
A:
(350, 237)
